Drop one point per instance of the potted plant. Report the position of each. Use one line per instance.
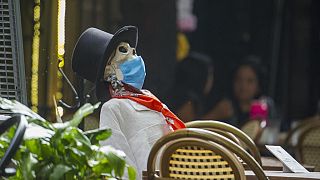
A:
(61, 150)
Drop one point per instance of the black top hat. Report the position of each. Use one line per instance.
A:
(93, 50)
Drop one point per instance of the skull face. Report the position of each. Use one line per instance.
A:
(122, 53)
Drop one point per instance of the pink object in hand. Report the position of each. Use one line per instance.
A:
(259, 110)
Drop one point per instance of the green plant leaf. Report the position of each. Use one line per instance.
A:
(97, 135)
(76, 156)
(61, 150)
(47, 150)
(33, 145)
(35, 131)
(44, 124)
(45, 170)
(103, 167)
(131, 173)
(27, 164)
(75, 137)
(16, 107)
(116, 159)
(59, 171)
(5, 139)
(118, 164)
(82, 112)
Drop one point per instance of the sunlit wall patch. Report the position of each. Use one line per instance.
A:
(35, 56)
(60, 44)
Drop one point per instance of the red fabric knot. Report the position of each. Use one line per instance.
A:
(154, 103)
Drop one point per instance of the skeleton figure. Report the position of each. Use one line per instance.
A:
(112, 72)
(135, 116)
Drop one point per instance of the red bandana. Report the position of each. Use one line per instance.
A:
(153, 103)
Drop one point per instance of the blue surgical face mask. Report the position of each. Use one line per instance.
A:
(134, 72)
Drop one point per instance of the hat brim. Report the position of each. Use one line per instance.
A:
(127, 34)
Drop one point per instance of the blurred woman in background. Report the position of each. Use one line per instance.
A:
(247, 100)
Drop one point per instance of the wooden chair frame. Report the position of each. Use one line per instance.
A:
(301, 141)
(232, 160)
(217, 125)
(302, 127)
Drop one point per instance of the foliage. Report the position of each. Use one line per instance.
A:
(61, 150)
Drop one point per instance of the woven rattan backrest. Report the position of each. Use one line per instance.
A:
(295, 133)
(246, 141)
(309, 147)
(190, 133)
(198, 159)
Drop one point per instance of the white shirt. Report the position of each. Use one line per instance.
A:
(135, 128)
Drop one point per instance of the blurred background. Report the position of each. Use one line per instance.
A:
(282, 36)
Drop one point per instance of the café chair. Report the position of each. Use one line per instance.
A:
(309, 145)
(217, 126)
(293, 135)
(194, 153)
(254, 129)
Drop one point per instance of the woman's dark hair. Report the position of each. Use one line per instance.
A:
(193, 72)
(191, 76)
(254, 62)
